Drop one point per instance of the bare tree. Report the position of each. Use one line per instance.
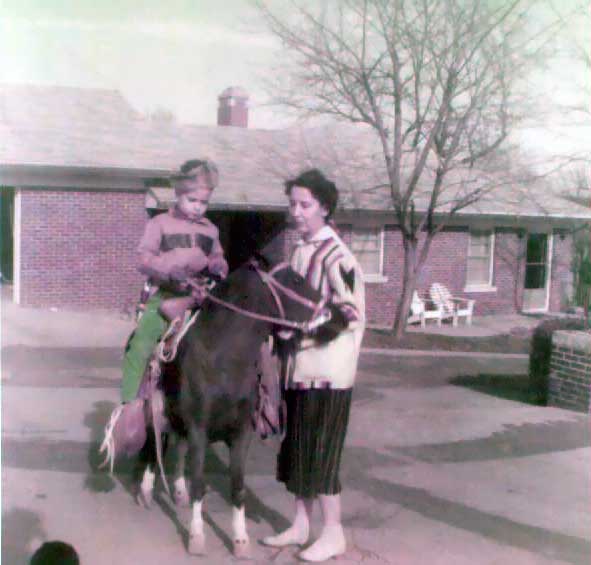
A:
(435, 80)
(577, 182)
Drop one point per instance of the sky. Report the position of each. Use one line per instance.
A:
(177, 55)
(180, 55)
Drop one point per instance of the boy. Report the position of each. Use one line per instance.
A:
(176, 246)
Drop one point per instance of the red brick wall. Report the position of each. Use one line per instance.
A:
(508, 275)
(78, 249)
(447, 264)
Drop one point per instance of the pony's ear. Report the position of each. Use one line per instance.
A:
(273, 251)
(262, 259)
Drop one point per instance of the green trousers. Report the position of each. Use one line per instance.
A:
(140, 347)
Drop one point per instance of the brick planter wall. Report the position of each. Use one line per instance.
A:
(570, 370)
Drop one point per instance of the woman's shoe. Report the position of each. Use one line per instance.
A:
(291, 536)
(331, 543)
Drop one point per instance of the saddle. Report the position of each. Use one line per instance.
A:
(126, 430)
(125, 433)
(176, 311)
(173, 308)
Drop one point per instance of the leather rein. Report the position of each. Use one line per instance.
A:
(277, 289)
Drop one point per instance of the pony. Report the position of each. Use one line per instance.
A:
(215, 395)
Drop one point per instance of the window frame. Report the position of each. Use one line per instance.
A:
(377, 277)
(479, 286)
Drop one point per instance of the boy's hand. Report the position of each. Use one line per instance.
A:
(177, 274)
(197, 262)
(218, 267)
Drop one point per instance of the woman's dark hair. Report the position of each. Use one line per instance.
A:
(324, 190)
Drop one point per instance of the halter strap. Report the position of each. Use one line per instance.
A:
(270, 280)
(275, 287)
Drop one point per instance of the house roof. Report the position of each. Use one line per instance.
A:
(90, 130)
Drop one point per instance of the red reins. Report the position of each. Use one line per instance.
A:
(276, 289)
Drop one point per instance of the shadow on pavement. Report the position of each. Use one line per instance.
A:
(547, 543)
(217, 478)
(514, 441)
(509, 387)
(97, 479)
(22, 532)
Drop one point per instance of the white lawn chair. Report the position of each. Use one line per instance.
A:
(453, 307)
(420, 313)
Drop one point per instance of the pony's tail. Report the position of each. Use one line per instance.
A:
(108, 445)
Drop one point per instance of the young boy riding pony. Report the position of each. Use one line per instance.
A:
(176, 249)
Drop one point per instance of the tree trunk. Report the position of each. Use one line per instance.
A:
(409, 280)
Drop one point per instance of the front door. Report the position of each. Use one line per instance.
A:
(6, 234)
(537, 272)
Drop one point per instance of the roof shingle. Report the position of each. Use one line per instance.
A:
(93, 128)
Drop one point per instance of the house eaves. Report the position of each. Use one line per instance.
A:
(36, 176)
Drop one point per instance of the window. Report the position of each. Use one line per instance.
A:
(480, 258)
(366, 245)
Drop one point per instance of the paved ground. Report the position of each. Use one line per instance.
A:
(434, 473)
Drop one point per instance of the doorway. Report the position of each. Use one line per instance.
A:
(536, 292)
(6, 235)
(244, 233)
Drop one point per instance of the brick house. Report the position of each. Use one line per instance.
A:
(80, 174)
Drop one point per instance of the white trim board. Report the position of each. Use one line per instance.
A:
(16, 258)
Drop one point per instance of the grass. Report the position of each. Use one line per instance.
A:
(509, 387)
(504, 343)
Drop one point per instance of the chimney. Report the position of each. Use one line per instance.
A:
(233, 107)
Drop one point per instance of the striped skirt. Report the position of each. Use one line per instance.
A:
(310, 455)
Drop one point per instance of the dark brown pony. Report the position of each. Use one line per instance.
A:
(215, 396)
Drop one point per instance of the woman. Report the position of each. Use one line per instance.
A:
(320, 379)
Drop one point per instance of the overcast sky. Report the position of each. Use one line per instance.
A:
(179, 55)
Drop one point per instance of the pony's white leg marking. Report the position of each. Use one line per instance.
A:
(147, 487)
(181, 494)
(196, 535)
(241, 539)
(239, 523)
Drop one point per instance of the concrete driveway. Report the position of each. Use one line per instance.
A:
(434, 472)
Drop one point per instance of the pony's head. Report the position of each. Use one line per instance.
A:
(294, 298)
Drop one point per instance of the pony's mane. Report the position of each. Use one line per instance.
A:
(236, 279)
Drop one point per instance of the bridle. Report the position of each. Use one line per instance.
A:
(277, 289)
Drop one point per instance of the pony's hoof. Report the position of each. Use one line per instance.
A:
(242, 548)
(196, 544)
(145, 499)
